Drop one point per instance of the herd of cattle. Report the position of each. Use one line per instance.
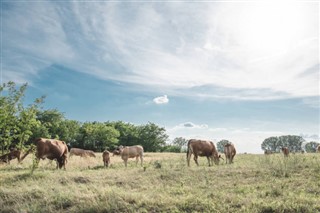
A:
(58, 150)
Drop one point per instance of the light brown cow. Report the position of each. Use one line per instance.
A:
(285, 151)
(52, 149)
(106, 158)
(202, 148)
(81, 152)
(318, 148)
(230, 152)
(127, 152)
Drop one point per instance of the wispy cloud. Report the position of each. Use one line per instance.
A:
(178, 47)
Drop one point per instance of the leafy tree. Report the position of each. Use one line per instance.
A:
(220, 145)
(311, 146)
(152, 137)
(270, 144)
(171, 148)
(52, 120)
(181, 143)
(97, 136)
(129, 134)
(16, 121)
(293, 142)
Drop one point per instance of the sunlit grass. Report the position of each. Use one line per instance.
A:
(253, 183)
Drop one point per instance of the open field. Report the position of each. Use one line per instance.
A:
(254, 183)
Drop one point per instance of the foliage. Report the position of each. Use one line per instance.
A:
(293, 142)
(152, 137)
(97, 136)
(17, 122)
(180, 143)
(220, 145)
(311, 146)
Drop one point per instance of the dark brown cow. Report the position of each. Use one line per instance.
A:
(52, 149)
(230, 152)
(318, 149)
(106, 158)
(13, 154)
(202, 148)
(285, 151)
(81, 152)
(127, 152)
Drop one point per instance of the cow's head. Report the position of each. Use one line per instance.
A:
(216, 158)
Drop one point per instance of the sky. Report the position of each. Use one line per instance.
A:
(237, 70)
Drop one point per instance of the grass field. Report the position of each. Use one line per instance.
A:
(253, 183)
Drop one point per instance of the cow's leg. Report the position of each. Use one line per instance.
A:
(141, 159)
(196, 159)
(208, 158)
(188, 158)
(137, 160)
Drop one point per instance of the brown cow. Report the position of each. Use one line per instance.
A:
(127, 152)
(202, 148)
(52, 149)
(106, 158)
(318, 148)
(230, 152)
(285, 151)
(81, 152)
(13, 154)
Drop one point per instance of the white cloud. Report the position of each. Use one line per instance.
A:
(257, 47)
(161, 100)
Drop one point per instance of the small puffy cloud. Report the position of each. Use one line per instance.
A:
(161, 99)
(191, 125)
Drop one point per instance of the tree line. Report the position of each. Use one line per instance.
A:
(20, 125)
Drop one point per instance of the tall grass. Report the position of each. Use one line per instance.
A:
(253, 183)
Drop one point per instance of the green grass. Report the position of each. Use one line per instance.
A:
(254, 183)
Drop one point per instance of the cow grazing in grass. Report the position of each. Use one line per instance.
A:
(127, 152)
(230, 152)
(285, 151)
(52, 149)
(202, 148)
(318, 148)
(81, 152)
(106, 158)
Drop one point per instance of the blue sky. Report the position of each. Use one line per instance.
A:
(236, 70)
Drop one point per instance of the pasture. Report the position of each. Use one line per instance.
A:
(253, 183)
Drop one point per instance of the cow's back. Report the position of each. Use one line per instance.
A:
(132, 151)
(201, 147)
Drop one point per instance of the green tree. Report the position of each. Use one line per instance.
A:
(270, 144)
(152, 137)
(129, 134)
(293, 142)
(52, 120)
(17, 122)
(97, 136)
(181, 143)
(220, 145)
(310, 147)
